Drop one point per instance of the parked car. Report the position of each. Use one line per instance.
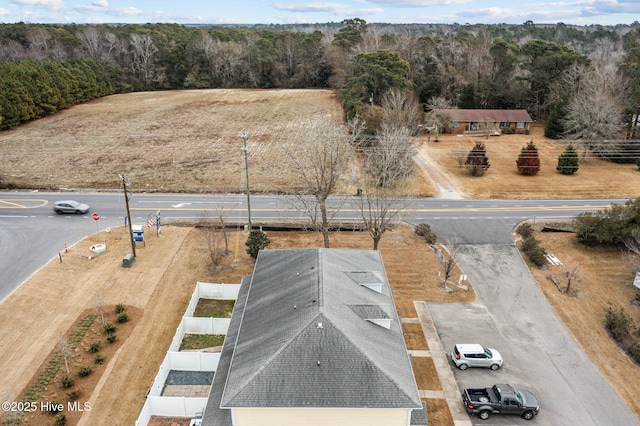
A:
(500, 399)
(465, 355)
(70, 206)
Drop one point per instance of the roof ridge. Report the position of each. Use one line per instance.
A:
(274, 355)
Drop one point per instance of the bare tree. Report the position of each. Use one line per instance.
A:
(438, 117)
(401, 109)
(318, 158)
(570, 275)
(99, 304)
(447, 260)
(65, 349)
(389, 158)
(593, 121)
(211, 237)
(144, 52)
(380, 208)
(91, 39)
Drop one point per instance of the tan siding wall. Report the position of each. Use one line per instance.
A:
(321, 417)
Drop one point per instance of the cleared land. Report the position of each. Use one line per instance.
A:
(190, 141)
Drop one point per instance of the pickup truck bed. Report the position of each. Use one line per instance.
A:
(500, 399)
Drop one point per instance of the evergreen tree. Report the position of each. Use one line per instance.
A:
(528, 162)
(568, 161)
(477, 161)
(257, 241)
(554, 129)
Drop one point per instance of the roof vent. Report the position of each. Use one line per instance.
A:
(320, 325)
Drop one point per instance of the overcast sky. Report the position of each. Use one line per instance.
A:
(579, 12)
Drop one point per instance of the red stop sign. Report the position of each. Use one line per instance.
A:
(95, 216)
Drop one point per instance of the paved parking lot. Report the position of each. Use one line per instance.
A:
(512, 315)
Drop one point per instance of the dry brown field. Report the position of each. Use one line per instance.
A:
(190, 141)
(595, 178)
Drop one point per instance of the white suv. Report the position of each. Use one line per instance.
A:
(467, 355)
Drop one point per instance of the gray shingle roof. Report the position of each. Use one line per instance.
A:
(302, 341)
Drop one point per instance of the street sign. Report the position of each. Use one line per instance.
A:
(95, 216)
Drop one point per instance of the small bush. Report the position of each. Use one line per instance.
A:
(119, 308)
(111, 337)
(99, 358)
(66, 382)
(74, 395)
(109, 327)
(61, 419)
(84, 371)
(535, 253)
(95, 347)
(525, 230)
(634, 352)
(122, 317)
(424, 230)
(619, 324)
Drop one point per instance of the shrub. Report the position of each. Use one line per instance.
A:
(66, 382)
(525, 230)
(111, 337)
(424, 230)
(619, 324)
(61, 419)
(535, 253)
(257, 241)
(74, 395)
(122, 317)
(119, 308)
(84, 371)
(109, 328)
(528, 161)
(477, 161)
(95, 347)
(568, 161)
(99, 358)
(634, 352)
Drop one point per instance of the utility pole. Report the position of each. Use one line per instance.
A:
(126, 199)
(246, 169)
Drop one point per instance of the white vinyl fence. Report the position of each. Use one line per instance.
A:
(158, 405)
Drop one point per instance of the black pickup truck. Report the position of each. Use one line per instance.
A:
(500, 399)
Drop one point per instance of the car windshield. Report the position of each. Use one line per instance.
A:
(488, 353)
(519, 396)
(74, 203)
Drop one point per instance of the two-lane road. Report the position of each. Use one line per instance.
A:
(31, 234)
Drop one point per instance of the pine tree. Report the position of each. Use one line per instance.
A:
(568, 161)
(477, 160)
(528, 162)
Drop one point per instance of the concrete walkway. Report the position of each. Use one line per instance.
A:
(450, 390)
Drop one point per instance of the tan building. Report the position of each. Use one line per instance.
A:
(481, 121)
(315, 340)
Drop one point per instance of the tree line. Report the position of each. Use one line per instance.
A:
(552, 71)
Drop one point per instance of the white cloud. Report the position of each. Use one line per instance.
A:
(47, 4)
(418, 3)
(100, 3)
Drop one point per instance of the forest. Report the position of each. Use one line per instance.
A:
(583, 81)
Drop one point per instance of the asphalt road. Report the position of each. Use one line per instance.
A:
(510, 314)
